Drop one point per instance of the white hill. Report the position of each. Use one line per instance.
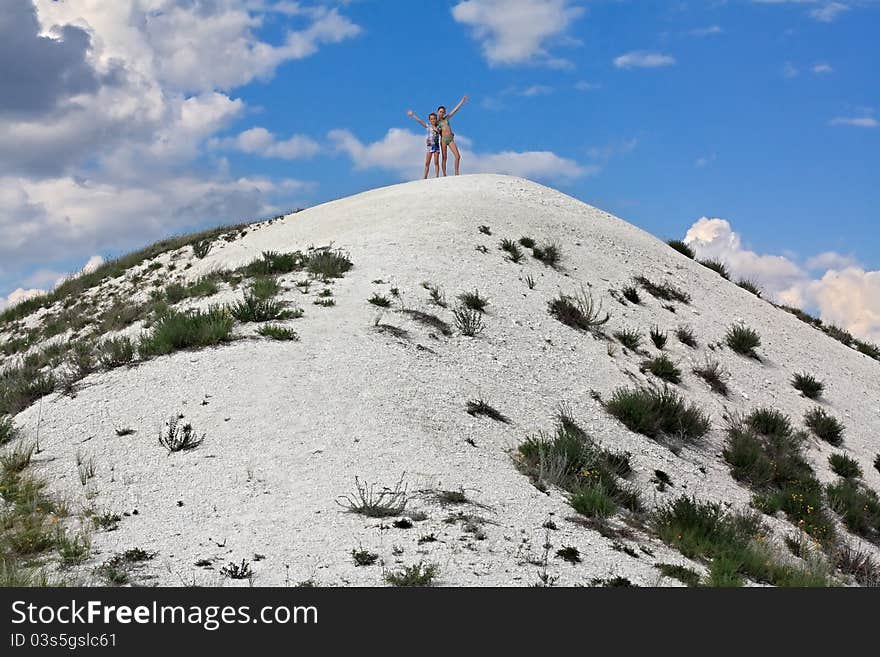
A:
(381, 395)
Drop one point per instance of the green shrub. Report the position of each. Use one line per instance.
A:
(22, 386)
(743, 340)
(527, 242)
(685, 335)
(277, 332)
(550, 254)
(824, 426)
(769, 422)
(594, 502)
(116, 352)
(255, 309)
(715, 375)
(868, 348)
(716, 266)
(176, 331)
(420, 574)
(663, 368)
(657, 413)
(658, 337)
(845, 466)
(272, 263)
(682, 248)
(665, 291)
(750, 286)
(8, 430)
(839, 334)
(265, 287)
(681, 573)
(629, 338)
(379, 300)
(474, 301)
(858, 507)
(808, 385)
(469, 322)
(631, 294)
(481, 407)
(514, 253)
(328, 263)
(578, 311)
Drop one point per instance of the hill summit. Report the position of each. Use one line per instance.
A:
(465, 381)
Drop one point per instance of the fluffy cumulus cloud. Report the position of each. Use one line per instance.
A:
(643, 59)
(824, 11)
(513, 32)
(843, 291)
(403, 152)
(108, 109)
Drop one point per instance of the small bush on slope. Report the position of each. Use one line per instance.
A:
(715, 375)
(176, 438)
(858, 507)
(767, 455)
(703, 530)
(420, 574)
(276, 332)
(473, 300)
(629, 338)
(825, 426)
(663, 368)
(658, 413)
(808, 385)
(579, 311)
(177, 331)
(550, 254)
(382, 504)
(469, 322)
(480, 407)
(658, 337)
(21, 386)
(255, 309)
(685, 335)
(514, 253)
(665, 291)
(750, 286)
(717, 266)
(682, 248)
(572, 460)
(743, 340)
(116, 352)
(631, 294)
(845, 466)
(327, 263)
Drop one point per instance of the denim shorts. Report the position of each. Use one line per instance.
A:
(434, 147)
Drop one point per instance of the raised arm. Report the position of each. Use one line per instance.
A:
(412, 114)
(457, 107)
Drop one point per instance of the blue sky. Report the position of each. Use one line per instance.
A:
(158, 116)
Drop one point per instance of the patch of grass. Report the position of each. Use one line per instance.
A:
(514, 253)
(527, 242)
(201, 248)
(364, 557)
(717, 266)
(429, 320)
(569, 554)
(858, 507)
(868, 348)
(481, 407)
(808, 384)
(579, 311)
(21, 386)
(254, 309)
(485, 230)
(743, 340)
(685, 335)
(549, 253)
(841, 335)
(750, 286)
(473, 300)
(176, 438)
(176, 331)
(271, 263)
(658, 413)
(71, 550)
(663, 368)
(8, 430)
(116, 352)
(826, 427)
(234, 570)
(380, 300)
(85, 467)
(658, 337)
(845, 466)
(629, 338)
(276, 332)
(438, 296)
(328, 263)
(764, 452)
(715, 375)
(469, 322)
(572, 460)
(204, 287)
(681, 573)
(665, 291)
(367, 501)
(265, 287)
(859, 564)
(420, 574)
(631, 294)
(682, 248)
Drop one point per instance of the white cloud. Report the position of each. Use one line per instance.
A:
(536, 90)
(844, 293)
(643, 59)
(829, 12)
(707, 31)
(583, 85)
(19, 295)
(790, 70)
(855, 121)
(822, 69)
(119, 158)
(403, 152)
(42, 278)
(259, 141)
(515, 32)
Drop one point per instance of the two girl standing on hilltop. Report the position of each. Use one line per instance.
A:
(440, 138)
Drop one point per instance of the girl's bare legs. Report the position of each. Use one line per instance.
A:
(457, 155)
(428, 164)
(443, 150)
(436, 165)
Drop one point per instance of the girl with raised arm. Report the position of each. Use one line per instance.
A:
(432, 142)
(447, 137)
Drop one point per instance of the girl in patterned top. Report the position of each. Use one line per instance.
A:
(432, 142)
